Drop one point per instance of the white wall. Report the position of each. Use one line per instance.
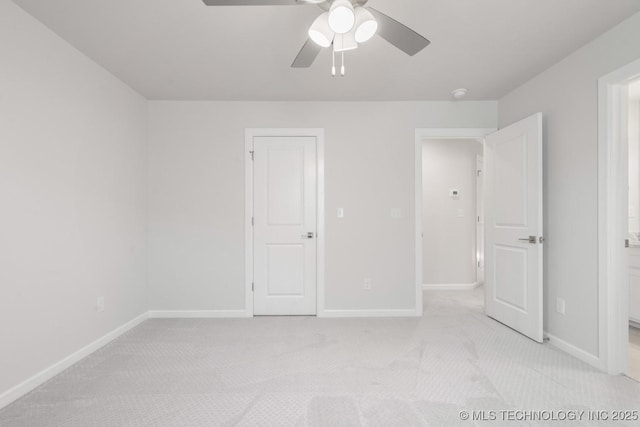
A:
(72, 199)
(449, 243)
(567, 94)
(196, 196)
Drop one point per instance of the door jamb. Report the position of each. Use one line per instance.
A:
(318, 133)
(613, 309)
(420, 135)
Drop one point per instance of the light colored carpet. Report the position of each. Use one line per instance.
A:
(306, 371)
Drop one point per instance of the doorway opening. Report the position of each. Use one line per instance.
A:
(634, 227)
(619, 222)
(452, 226)
(511, 219)
(449, 235)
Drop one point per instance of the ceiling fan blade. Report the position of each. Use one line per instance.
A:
(255, 2)
(307, 55)
(399, 35)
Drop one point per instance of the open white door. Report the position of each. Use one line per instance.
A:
(284, 235)
(513, 233)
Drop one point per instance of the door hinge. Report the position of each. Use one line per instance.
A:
(478, 173)
(251, 152)
(252, 286)
(253, 221)
(627, 243)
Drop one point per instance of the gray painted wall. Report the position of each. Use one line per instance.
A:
(449, 243)
(196, 196)
(567, 95)
(72, 197)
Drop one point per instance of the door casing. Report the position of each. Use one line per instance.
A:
(250, 134)
(613, 283)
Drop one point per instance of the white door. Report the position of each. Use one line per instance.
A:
(284, 191)
(513, 220)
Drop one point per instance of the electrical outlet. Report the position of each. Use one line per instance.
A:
(367, 284)
(100, 304)
(560, 305)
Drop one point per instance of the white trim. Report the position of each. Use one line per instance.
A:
(46, 374)
(318, 133)
(420, 135)
(248, 223)
(613, 310)
(410, 312)
(197, 314)
(574, 351)
(450, 287)
(453, 133)
(418, 224)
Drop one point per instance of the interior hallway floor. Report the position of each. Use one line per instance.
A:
(307, 371)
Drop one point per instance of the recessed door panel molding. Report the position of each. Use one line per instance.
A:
(514, 230)
(285, 281)
(510, 171)
(284, 225)
(510, 266)
(285, 181)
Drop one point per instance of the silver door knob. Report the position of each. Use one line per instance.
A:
(309, 235)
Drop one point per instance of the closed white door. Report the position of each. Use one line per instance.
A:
(284, 191)
(513, 233)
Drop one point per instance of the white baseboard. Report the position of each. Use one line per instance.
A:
(45, 375)
(450, 287)
(574, 351)
(197, 314)
(411, 312)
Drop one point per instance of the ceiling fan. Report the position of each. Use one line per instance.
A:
(343, 24)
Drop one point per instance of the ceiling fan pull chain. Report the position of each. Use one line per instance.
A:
(333, 67)
(342, 68)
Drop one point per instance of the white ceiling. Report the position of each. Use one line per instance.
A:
(182, 49)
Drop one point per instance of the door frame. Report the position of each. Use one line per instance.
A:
(613, 284)
(420, 135)
(250, 134)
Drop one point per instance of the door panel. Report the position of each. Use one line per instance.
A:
(513, 221)
(284, 261)
(285, 281)
(285, 178)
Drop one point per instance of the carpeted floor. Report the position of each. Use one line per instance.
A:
(307, 371)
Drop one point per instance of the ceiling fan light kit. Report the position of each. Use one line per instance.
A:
(320, 32)
(344, 42)
(366, 25)
(342, 17)
(343, 25)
